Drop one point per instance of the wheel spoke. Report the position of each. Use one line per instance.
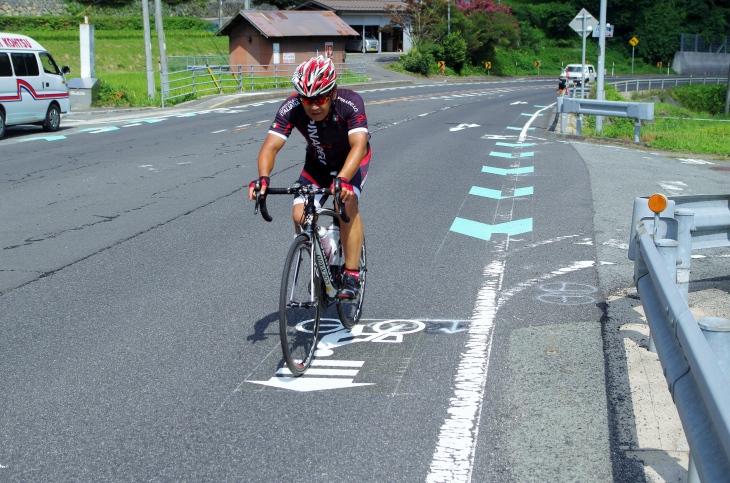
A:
(299, 309)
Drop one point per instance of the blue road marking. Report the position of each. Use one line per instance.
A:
(505, 172)
(484, 231)
(95, 130)
(514, 145)
(511, 155)
(497, 195)
(529, 115)
(148, 121)
(43, 138)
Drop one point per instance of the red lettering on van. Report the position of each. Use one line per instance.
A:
(16, 43)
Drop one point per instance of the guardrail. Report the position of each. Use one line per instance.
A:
(649, 84)
(640, 111)
(662, 239)
(192, 79)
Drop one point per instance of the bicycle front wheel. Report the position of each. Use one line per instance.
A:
(350, 311)
(299, 306)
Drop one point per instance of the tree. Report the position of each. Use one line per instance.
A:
(419, 19)
(487, 26)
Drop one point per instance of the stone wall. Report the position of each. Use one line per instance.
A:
(33, 7)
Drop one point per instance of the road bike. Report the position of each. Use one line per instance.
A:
(312, 275)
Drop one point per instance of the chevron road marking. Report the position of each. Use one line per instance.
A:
(483, 231)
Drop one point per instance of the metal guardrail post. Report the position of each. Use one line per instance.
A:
(685, 220)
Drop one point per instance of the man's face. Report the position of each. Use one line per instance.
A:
(318, 107)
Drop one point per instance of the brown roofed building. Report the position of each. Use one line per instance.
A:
(275, 37)
(368, 17)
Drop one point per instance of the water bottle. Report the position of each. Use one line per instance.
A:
(333, 237)
(324, 240)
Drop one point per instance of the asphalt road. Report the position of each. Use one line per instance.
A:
(139, 298)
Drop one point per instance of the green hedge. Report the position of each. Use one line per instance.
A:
(701, 98)
(101, 23)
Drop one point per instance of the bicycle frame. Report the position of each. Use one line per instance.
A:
(309, 228)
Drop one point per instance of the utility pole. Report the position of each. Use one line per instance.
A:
(600, 93)
(448, 17)
(148, 48)
(163, 52)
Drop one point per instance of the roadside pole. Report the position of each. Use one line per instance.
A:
(600, 93)
(163, 51)
(148, 48)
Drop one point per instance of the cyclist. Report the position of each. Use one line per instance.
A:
(334, 124)
(562, 84)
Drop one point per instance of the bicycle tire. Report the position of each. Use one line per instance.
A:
(350, 311)
(299, 308)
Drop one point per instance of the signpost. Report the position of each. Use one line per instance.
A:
(583, 24)
(633, 43)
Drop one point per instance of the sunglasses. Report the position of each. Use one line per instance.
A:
(317, 101)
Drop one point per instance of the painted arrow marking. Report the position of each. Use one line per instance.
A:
(514, 145)
(497, 195)
(484, 231)
(496, 136)
(305, 384)
(505, 172)
(463, 126)
(499, 154)
(97, 130)
(44, 138)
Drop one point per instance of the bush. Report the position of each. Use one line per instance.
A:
(417, 62)
(701, 98)
(455, 51)
(101, 23)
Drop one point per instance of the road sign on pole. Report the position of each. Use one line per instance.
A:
(608, 34)
(584, 23)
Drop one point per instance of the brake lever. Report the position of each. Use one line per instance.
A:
(341, 208)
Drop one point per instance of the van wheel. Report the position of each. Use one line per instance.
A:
(53, 119)
(2, 124)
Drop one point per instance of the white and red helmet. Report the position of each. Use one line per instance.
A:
(315, 77)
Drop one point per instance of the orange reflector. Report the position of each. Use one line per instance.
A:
(657, 203)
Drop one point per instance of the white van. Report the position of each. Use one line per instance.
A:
(358, 44)
(33, 89)
(574, 73)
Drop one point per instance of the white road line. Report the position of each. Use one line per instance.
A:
(453, 459)
(523, 133)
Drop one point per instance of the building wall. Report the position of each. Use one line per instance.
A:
(292, 50)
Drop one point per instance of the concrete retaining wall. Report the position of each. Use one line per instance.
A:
(701, 63)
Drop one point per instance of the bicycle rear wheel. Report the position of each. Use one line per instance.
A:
(299, 306)
(350, 311)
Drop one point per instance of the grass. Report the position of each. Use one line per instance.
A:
(675, 128)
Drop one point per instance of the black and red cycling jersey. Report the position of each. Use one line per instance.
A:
(328, 143)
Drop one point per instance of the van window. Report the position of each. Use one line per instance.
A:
(49, 65)
(5, 69)
(25, 65)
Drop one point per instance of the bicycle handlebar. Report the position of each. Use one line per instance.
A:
(299, 190)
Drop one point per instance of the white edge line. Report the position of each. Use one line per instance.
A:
(523, 133)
